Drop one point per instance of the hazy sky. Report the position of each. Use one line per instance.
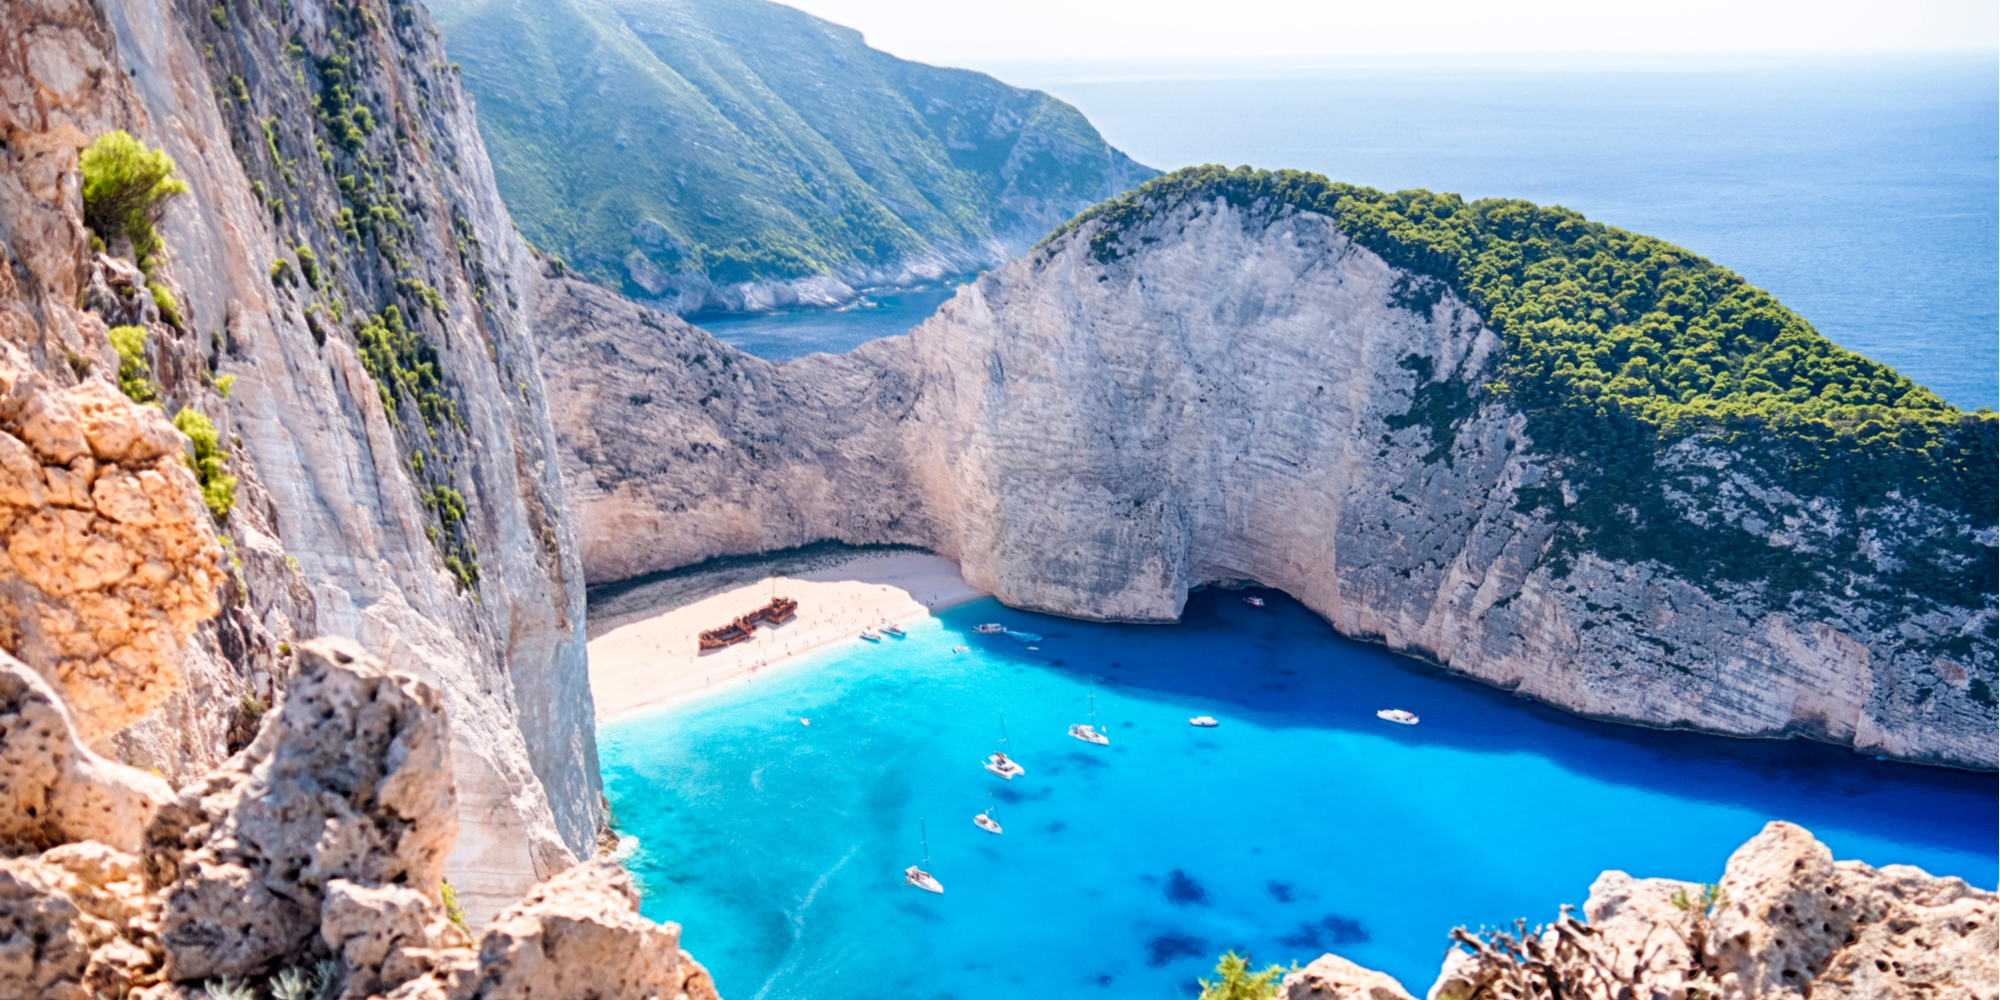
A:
(982, 30)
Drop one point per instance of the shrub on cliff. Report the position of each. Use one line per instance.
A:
(218, 488)
(125, 188)
(135, 373)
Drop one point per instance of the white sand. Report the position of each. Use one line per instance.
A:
(648, 658)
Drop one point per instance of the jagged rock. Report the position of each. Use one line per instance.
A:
(1790, 923)
(53, 789)
(61, 917)
(384, 935)
(1331, 977)
(111, 559)
(349, 778)
(580, 935)
(1795, 924)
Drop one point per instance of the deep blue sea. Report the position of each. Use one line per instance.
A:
(1863, 191)
(1302, 824)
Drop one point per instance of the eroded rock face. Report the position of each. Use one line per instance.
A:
(349, 780)
(580, 934)
(1790, 923)
(112, 558)
(1331, 977)
(318, 846)
(53, 789)
(1250, 396)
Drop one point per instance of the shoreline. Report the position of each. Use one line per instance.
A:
(644, 655)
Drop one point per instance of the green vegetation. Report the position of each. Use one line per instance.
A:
(1619, 346)
(135, 373)
(405, 366)
(1235, 981)
(125, 189)
(218, 488)
(742, 140)
(449, 897)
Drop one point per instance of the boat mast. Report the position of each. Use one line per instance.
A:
(1093, 703)
(927, 844)
(1003, 732)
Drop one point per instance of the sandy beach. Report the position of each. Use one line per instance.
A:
(644, 654)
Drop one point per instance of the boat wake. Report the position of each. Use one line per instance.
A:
(797, 918)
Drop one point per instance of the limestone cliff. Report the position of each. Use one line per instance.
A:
(338, 296)
(1219, 391)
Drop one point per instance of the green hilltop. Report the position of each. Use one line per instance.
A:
(648, 141)
(1621, 346)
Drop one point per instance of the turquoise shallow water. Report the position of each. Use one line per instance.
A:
(1302, 824)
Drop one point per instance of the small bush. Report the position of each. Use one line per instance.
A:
(282, 273)
(135, 373)
(163, 299)
(308, 264)
(449, 896)
(218, 488)
(1237, 982)
(223, 384)
(125, 189)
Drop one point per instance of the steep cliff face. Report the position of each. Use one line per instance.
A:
(342, 256)
(1221, 392)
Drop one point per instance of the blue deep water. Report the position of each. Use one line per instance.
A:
(1863, 191)
(782, 336)
(1302, 824)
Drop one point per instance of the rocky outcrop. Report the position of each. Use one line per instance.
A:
(350, 780)
(338, 295)
(1786, 921)
(1331, 977)
(313, 857)
(1244, 393)
(53, 789)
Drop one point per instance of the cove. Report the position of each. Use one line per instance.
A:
(1302, 824)
(782, 336)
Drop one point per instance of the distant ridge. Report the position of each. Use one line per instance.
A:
(739, 154)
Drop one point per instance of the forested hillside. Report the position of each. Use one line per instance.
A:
(666, 147)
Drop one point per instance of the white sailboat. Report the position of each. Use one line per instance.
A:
(916, 875)
(985, 820)
(999, 763)
(1088, 732)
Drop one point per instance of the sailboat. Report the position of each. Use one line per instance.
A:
(1087, 732)
(916, 875)
(999, 763)
(985, 820)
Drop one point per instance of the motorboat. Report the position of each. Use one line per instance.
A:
(917, 876)
(990, 628)
(1001, 764)
(1397, 716)
(1255, 602)
(871, 635)
(894, 629)
(803, 721)
(1204, 721)
(1088, 732)
(961, 649)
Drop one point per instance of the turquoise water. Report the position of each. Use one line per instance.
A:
(1302, 824)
